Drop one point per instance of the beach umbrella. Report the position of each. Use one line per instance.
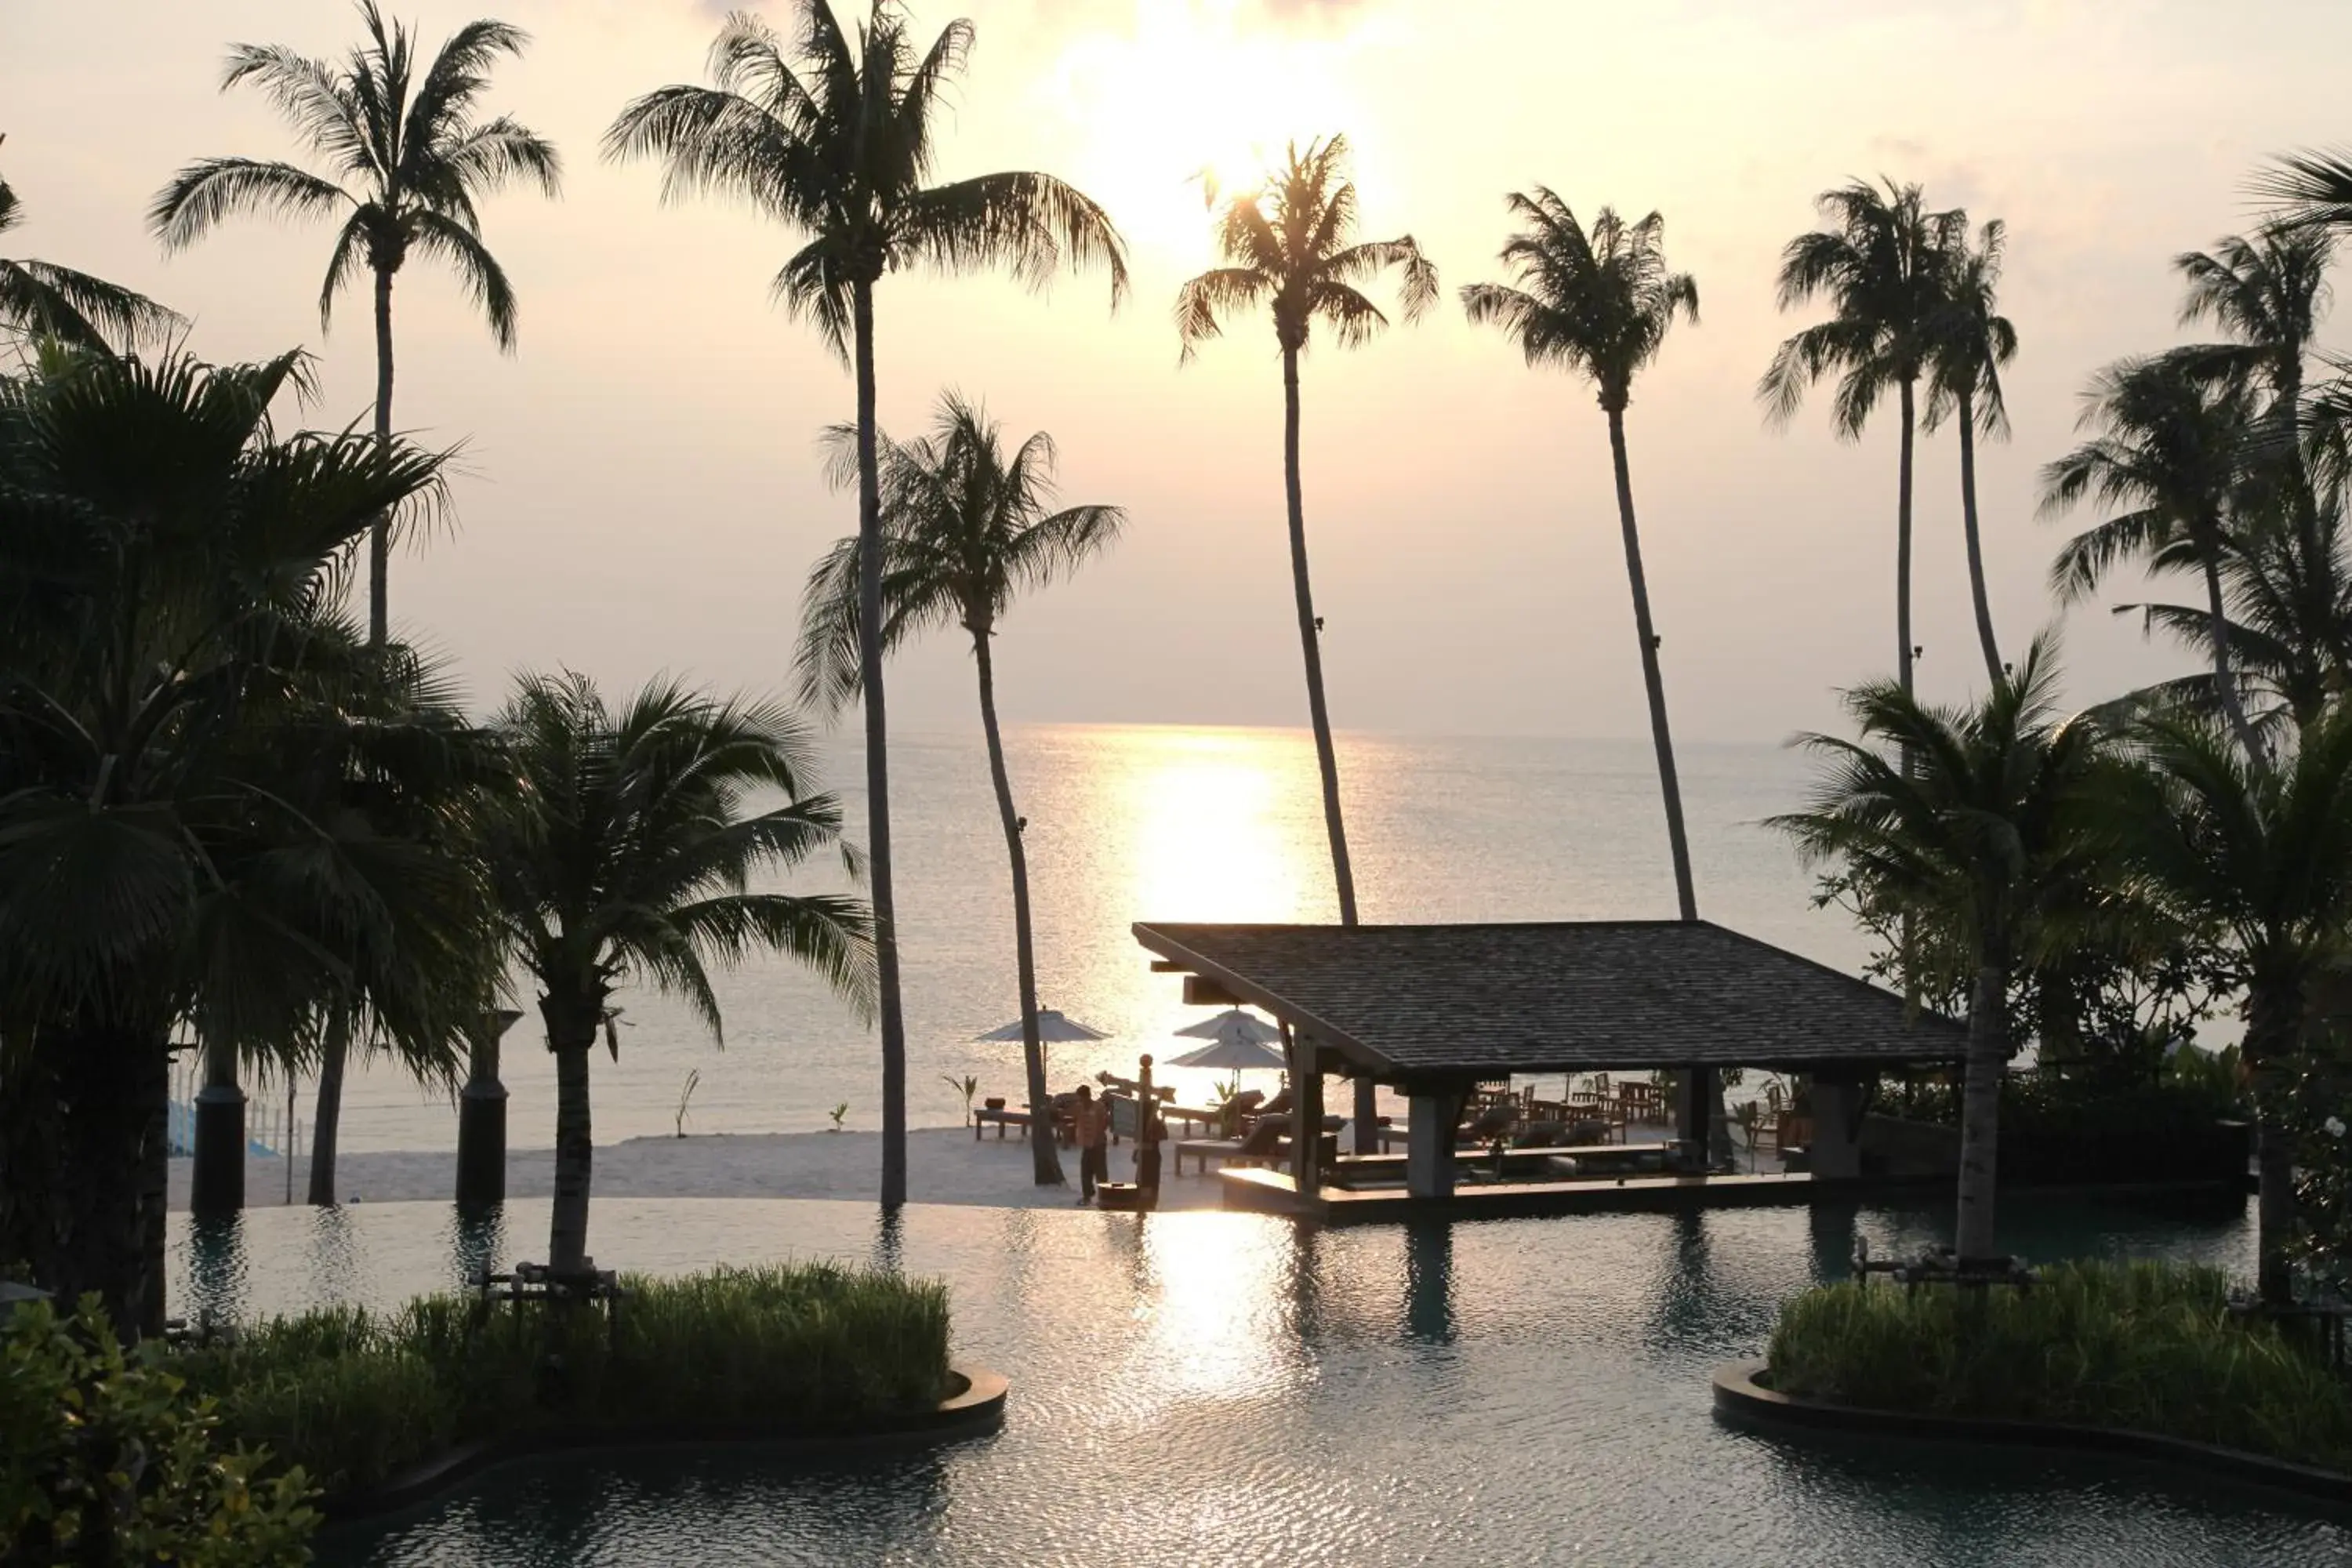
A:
(1052, 1027)
(1232, 1024)
(1233, 1053)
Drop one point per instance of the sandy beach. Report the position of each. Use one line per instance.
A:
(944, 1166)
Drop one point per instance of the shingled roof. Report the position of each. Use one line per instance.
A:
(1486, 1000)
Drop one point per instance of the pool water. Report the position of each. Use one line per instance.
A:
(1211, 1388)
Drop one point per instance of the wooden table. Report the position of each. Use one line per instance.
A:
(1003, 1119)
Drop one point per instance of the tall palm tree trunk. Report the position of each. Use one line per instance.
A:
(1903, 551)
(1652, 679)
(325, 1121)
(571, 1035)
(1046, 1161)
(2271, 1032)
(1980, 1110)
(877, 760)
(379, 531)
(2225, 683)
(1320, 715)
(1975, 545)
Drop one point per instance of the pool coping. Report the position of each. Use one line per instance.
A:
(1739, 1397)
(974, 1411)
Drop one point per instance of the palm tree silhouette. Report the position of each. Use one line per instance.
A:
(840, 149)
(1291, 245)
(627, 855)
(2167, 445)
(412, 159)
(1972, 341)
(1881, 264)
(41, 299)
(1601, 302)
(965, 529)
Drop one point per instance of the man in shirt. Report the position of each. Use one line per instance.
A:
(1093, 1128)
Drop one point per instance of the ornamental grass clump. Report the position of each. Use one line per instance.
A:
(358, 1397)
(2145, 1346)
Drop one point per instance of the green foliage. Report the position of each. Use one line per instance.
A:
(106, 1456)
(357, 1397)
(2144, 1345)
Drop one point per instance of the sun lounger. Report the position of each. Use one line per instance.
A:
(1003, 1119)
(1224, 1151)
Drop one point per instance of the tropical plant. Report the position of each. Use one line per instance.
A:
(2167, 447)
(967, 1086)
(2259, 857)
(42, 299)
(839, 1114)
(1988, 834)
(1600, 303)
(1290, 245)
(1971, 341)
(1882, 264)
(625, 856)
(965, 528)
(216, 808)
(834, 136)
(107, 1456)
(686, 1097)
(412, 159)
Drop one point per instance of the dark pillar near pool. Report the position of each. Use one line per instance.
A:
(1306, 1114)
(1429, 1145)
(482, 1116)
(1694, 1096)
(216, 1181)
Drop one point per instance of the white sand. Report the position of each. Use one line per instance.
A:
(944, 1166)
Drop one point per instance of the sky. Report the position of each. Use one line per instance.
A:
(638, 489)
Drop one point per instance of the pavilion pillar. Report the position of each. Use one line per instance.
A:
(1694, 1097)
(1836, 1152)
(482, 1115)
(1429, 1145)
(1305, 1113)
(217, 1178)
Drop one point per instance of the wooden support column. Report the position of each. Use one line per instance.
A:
(482, 1115)
(1694, 1095)
(1836, 1152)
(1429, 1145)
(216, 1180)
(1306, 1113)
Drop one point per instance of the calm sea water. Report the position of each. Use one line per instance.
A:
(1159, 823)
(1224, 1388)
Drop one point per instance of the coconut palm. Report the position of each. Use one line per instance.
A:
(1983, 826)
(625, 856)
(2167, 447)
(1881, 262)
(2311, 190)
(410, 159)
(834, 136)
(43, 299)
(965, 529)
(1600, 303)
(1971, 341)
(1290, 243)
(209, 817)
(2261, 857)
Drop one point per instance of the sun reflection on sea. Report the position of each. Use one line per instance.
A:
(1209, 842)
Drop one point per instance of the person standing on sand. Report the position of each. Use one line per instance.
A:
(1093, 1130)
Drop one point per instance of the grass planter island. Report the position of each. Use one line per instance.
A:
(2140, 1358)
(381, 1409)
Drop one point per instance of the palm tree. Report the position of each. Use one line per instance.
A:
(2261, 858)
(413, 160)
(1984, 829)
(1600, 303)
(839, 149)
(2167, 446)
(965, 530)
(626, 857)
(205, 818)
(1972, 341)
(40, 298)
(1882, 264)
(1291, 245)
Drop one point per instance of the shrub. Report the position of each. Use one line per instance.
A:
(106, 1456)
(358, 1397)
(2148, 1346)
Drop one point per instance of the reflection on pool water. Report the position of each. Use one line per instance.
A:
(1213, 1388)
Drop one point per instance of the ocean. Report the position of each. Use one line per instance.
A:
(1152, 822)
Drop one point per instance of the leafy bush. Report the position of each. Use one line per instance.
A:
(106, 1456)
(358, 1397)
(2148, 1346)
(2066, 1129)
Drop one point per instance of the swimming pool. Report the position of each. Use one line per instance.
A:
(1216, 1388)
